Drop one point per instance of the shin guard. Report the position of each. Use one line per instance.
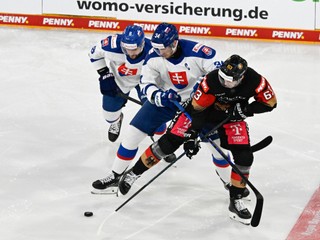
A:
(148, 158)
(236, 179)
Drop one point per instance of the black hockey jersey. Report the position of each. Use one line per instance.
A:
(212, 101)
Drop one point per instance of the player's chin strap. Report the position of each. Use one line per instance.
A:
(259, 203)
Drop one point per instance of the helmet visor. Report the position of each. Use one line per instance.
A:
(131, 49)
(228, 81)
(163, 51)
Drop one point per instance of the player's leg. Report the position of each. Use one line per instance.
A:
(222, 167)
(165, 146)
(160, 130)
(112, 112)
(157, 135)
(145, 122)
(235, 136)
(122, 160)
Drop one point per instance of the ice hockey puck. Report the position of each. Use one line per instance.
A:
(88, 214)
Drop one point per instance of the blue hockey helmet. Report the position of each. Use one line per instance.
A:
(132, 39)
(232, 71)
(164, 36)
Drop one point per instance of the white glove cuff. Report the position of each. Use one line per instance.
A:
(157, 99)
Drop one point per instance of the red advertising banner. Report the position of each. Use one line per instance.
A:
(198, 30)
(307, 226)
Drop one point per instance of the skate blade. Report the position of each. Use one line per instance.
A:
(108, 191)
(247, 198)
(235, 217)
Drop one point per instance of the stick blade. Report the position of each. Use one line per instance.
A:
(262, 144)
(257, 211)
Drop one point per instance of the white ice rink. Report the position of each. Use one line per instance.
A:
(53, 144)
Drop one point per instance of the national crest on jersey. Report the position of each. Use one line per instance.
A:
(123, 70)
(105, 42)
(207, 50)
(179, 79)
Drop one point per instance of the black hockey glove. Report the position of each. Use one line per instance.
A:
(191, 145)
(108, 85)
(238, 113)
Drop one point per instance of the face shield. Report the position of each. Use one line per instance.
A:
(163, 51)
(228, 81)
(132, 50)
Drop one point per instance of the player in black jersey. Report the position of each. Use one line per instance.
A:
(235, 91)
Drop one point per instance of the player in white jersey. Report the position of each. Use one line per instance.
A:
(170, 71)
(118, 60)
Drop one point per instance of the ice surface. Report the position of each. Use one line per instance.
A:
(53, 144)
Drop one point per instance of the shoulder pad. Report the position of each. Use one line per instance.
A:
(262, 85)
(151, 54)
(111, 44)
(195, 49)
(204, 85)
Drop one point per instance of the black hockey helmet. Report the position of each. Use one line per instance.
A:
(232, 70)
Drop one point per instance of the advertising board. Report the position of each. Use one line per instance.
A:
(260, 13)
(285, 20)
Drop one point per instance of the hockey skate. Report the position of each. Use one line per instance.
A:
(227, 185)
(238, 211)
(107, 185)
(114, 129)
(127, 181)
(245, 194)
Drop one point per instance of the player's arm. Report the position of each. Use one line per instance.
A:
(265, 98)
(104, 52)
(210, 59)
(96, 56)
(148, 80)
(99, 59)
(202, 99)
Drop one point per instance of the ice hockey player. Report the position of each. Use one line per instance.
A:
(118, 60)
(221, 93)
(170, 71)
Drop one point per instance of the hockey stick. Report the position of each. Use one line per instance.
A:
(121, 94)
(265, 142)
(165, 169)
(262, 144)
(259, 204)
(150, 181)
(254, 148)
(257, 147)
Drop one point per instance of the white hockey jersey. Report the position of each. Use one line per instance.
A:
(126, 71)
(181, 73)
